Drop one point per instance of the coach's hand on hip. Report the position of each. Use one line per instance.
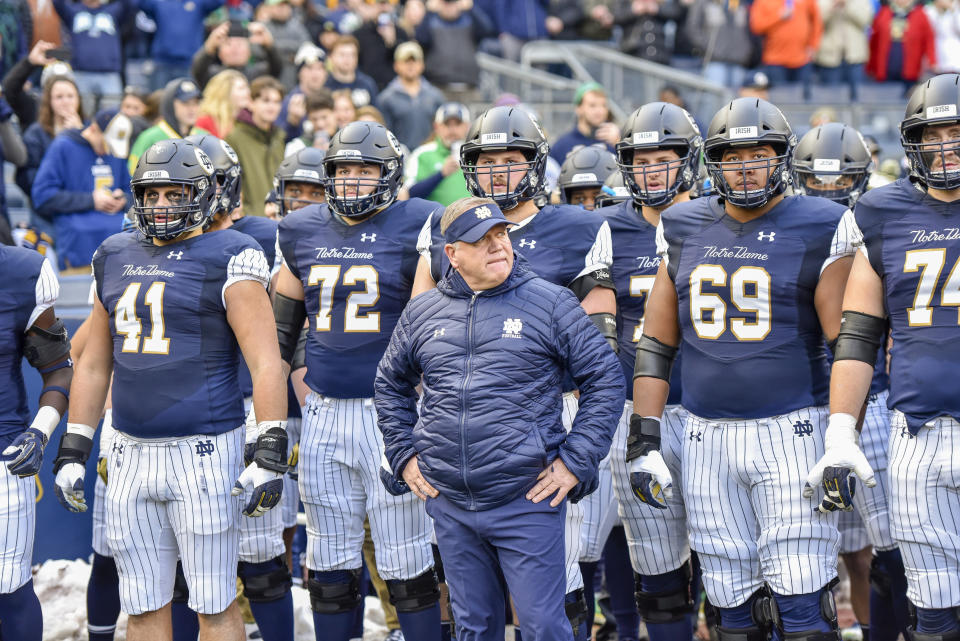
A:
(554, 478)
(415, 481)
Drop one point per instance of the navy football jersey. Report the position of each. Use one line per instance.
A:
(560, 243)
(751, 339)
(913, 243)
(635, 264)
(175, 356)
(356, 281)
(29, 287)
(264, 231)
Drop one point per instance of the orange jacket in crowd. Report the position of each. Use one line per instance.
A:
(791, 30)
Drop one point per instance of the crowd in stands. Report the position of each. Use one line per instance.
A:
(275, 76)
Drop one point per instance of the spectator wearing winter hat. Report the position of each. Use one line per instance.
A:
(178, 36)
(83, 189)
(96, 53)
(345, 75)
(409, 102)
(179, 109)
(594, 124)
(311, 78)
(249, 50)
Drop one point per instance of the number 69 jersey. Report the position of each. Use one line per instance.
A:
(913, 243)
(175, 356)
(752, 343)
(356, 281)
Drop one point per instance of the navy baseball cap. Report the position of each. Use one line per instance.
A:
(186, 89)
(450, 110)
(473, 224)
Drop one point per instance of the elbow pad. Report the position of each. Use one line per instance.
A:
(585, 284)
(860, 338)
(44, 346)
(289, 314)
(300, 353)
(607, 324)
(654, 359)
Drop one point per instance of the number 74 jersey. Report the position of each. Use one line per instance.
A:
(356, 281)
(752, 342)
(913, 243)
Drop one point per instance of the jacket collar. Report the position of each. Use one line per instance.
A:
(453, 285)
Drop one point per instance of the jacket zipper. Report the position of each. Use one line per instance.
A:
(463, 394)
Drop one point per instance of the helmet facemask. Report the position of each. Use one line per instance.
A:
(778, 176)
(526, 176)
(642, 196)
(189, 208)
(844, 186)
(923, 155)
(345, 193)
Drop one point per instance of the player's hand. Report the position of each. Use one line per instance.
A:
(393, 485)
(263, 477)
(69, 487)
(555, 478)
(26, 452)
(841, 456)
(415, 481)
(265, 486)
(651, 480)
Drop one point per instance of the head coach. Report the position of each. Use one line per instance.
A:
(488, 452)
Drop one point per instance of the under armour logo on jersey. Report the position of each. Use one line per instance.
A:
(176, 255)
(365, 237)
(205, 447)
(439, 332)
(762, 236)
(803, 428)
(527, 243)
(905, 433)
(512, 328)
(696, 436)
(117, 449)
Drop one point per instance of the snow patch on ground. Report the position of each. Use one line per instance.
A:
(61, 586)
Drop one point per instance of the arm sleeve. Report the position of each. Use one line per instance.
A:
(395, 397)
(248, 264)
(598, 376)
(24, 105)
(47, 290)
(847, 239)
(600, 255)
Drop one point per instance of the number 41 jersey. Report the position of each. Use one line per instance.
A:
(752, 342)
(913, 243)
(175, 356)
(356, 281)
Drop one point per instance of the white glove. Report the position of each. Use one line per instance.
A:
(651, 480)
(265, 486)
(841, 455)
(69, 487)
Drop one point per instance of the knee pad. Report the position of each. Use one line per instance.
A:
(416, 594)
(669, 605)
(181, 592)
(268, 581)
(335, 592)
(575, 605)
(938, 618)
(827, 610)
(764, 616)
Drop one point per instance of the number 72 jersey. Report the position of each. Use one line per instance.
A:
(356, 281)
(913, 243)
(752, 343)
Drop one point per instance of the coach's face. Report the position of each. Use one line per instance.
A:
(485, 263)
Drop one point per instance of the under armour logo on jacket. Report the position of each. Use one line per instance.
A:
(762, 236)
(527, 243)
(439, 332)
(365, 237)
(205, 447)
(512, 328)
(176, 255)
(803, 428)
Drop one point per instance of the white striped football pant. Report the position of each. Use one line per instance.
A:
(657, 539)
(872, 502)
(573, 523)
(340, 452)
(749, 523)
(925, 508)
(18, 514)
(170, 498)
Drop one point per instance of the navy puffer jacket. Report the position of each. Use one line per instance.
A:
(492, 364)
